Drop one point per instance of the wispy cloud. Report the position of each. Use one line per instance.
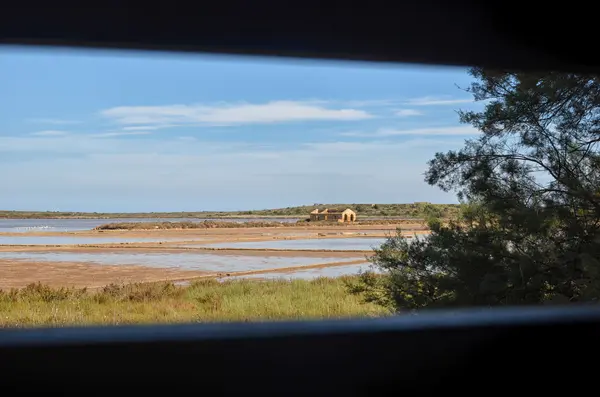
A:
(54, 121)
(386, 132)
(110, 134)
(270, 112)
(442, 100)
(458, 130)
(119, 133)
(354, 103)
(50, 133)
(380, 146)
(241, 174)
(408, 112)
(147, 127)
(370, 102)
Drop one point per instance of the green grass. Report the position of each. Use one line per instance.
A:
(410, 210)
(203, 301)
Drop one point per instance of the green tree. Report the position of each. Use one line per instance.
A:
(529, 231)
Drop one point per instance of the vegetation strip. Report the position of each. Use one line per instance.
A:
(203, 301)
(409, 210)
(185, 225)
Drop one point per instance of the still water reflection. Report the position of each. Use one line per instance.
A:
(69, 225)
(71, 240)
(308, 274)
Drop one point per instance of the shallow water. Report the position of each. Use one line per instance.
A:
(341, 244)
(308, 274)
(183, 261)
(71, 240)
(69, 225)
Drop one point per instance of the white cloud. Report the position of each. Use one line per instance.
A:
(408, 112)
(119, 133)
(110, 134)
(54, 121)
(431, 100)
(80, 172)
(271, 112)
(146, 127)
(386, 132)
(50, 133)
(342, 148)
(351, 102)
(370, 102)
(459, 130)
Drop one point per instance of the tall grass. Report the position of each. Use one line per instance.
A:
(202, 301)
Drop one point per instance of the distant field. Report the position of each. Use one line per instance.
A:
(413, 210)
(202, 301)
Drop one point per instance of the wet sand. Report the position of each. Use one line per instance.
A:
(267, 252)
(19, 273)
(210, 236)
(228, 233)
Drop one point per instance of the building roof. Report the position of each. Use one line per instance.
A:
(329, 211)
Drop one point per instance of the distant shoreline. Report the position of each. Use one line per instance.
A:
(195, 217)
(42, 215)
(382, 211)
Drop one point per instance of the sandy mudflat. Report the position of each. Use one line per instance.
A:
(215, 251)
(19, 273)
(227, 233)
(16, 274)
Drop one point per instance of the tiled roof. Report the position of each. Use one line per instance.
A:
(329, 211)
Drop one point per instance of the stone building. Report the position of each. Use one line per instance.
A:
(333, 214)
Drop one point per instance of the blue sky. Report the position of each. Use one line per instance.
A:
(124, 131)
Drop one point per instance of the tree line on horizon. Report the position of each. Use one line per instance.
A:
(412, 210)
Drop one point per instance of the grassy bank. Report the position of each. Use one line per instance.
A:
(411, 210)
(222, 224)
(202, 301)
